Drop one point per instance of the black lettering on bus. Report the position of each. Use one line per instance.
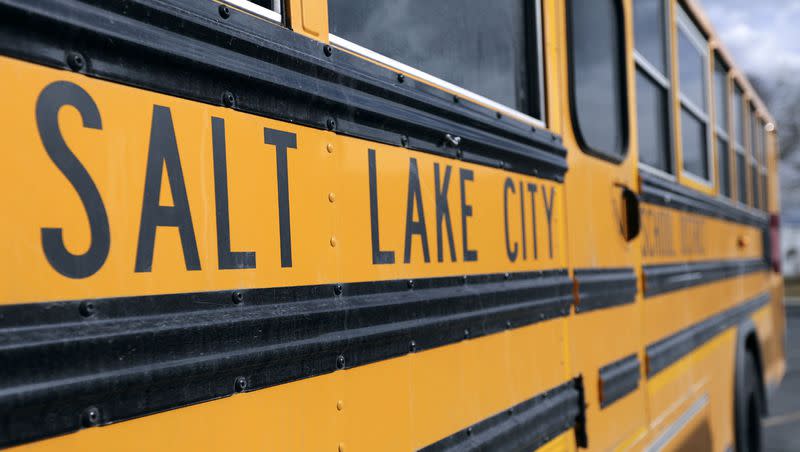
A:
(668, 242)
(466, 212)
(52, 98)
(691, 235)
(443, 212)
(534, 238)
(548, 210)
(283, 141)
(227, 259)
(163, 155)
(415, 227)
(512, 253)
(378, 256)
(647, 246)
(657, 239)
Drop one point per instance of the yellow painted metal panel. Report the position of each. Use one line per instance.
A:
(668, 313)
(328, 192)
(707, 371)
(400, 404)
(674, 236)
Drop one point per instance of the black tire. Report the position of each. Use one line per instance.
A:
(751, 406)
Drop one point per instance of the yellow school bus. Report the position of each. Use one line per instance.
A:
(373, 225)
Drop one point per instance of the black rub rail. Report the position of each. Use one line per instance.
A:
(619, 379)
(667, 193)
(659, 279)
(525, 426)
(604, 288)
(65, 365)
(669, 350)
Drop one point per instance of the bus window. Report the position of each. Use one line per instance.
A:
(480, 51)
(738, 139)
(721, 112)
(652, 84)
(755, 152)
(597, 77)
(271, 9)
(692, 63)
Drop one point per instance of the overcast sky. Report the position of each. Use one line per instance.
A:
(762, 35)
(764, 38)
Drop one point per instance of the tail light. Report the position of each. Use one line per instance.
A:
(775, 242)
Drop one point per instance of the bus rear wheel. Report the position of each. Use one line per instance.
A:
(750, 406)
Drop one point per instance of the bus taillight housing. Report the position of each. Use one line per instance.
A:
(775, 242)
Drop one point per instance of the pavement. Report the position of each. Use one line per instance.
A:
(782, 426)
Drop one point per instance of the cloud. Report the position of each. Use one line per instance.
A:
(763, 36)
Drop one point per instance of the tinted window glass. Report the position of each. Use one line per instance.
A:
(475, 44)
(693, 133)
(692, 70)
(741, 171)
(762, 143)
(721, 95)
(651, 106)
(724, 168)
(754, 180)
(597, 76)
(738, 116)
(650, 32)
(764, 191)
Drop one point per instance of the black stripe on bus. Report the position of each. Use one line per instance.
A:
(604, 288)
(128, 357)
(667, 351)
(659, 279)
(523, 427)
(660, 191)
(184, 48)
(619, 379)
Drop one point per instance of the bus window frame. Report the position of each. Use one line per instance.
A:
(536, 33)
(615, 158)
(723, 132)
(685, 23)
(739, 148)
(258, 10)
(763, 174)
(753, 165)
(665, 81)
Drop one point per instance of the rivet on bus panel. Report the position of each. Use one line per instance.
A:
(238, 297)
(341, 447)
(224, 11)
(332, 197)
(87, 308)
(76, 61)
(333, 242)
(91, 417)
(340, 405)
(228, 99)
(329, 148)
